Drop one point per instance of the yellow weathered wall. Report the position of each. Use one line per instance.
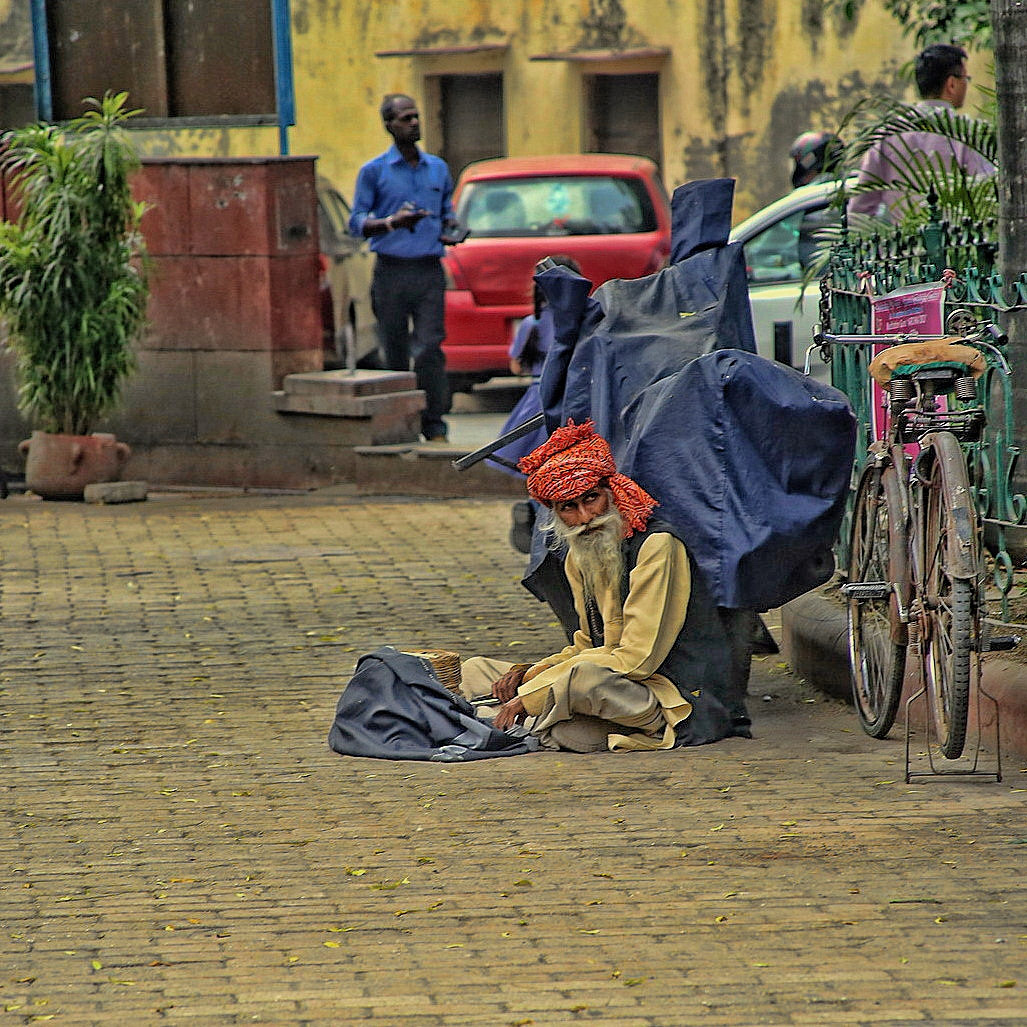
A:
(743, 78)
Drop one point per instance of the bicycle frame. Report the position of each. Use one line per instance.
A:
(992, 457)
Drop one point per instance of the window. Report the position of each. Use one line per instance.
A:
(555, 206)
(197, 59)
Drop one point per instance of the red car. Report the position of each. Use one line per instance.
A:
(609, 212)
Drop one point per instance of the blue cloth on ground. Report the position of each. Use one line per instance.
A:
(394, 708)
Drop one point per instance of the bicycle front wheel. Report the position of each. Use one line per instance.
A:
(950, 600)
(877, 636)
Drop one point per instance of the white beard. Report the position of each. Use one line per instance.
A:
(596, 548)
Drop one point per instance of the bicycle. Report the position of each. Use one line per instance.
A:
(916, 572)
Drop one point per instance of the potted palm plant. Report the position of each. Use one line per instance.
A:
(73, 289)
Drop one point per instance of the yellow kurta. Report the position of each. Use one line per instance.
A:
(637, 637)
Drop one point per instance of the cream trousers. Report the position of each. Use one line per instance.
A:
(588, 709)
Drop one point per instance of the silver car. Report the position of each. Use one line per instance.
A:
(349, 326)
(778, 244)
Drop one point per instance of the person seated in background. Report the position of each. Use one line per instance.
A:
(625, 681)
(534, 335)
(532, 340)
(503, 211)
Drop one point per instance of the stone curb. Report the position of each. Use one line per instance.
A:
(115, 492)
(815, 642)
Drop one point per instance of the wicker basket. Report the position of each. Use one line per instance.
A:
(445, 664)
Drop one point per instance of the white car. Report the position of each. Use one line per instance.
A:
(778, 242)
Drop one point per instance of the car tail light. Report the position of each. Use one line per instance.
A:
(657, 262)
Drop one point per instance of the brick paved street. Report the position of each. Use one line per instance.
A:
(179, 845)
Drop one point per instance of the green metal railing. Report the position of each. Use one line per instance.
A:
(859, 268)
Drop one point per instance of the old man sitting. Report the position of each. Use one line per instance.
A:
(648, 667)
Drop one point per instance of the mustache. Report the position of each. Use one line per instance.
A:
(604, 522)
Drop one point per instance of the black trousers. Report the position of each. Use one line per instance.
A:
(408, 299)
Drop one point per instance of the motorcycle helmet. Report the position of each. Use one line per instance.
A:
(814, 153)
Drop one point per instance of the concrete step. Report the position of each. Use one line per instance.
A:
(499, 394)
(348, 383)
(331, 403)
(388, 402)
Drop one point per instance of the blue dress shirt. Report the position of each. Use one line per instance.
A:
(385, 183)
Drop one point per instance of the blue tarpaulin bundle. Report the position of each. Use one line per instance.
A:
(751, 461)
(631, 333)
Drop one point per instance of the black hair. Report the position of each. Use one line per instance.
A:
(389, 102)
(934, 65)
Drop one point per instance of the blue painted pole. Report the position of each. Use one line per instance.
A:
(284, 92)
(41, 55)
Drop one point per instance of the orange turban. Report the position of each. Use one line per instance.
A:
(572, 461)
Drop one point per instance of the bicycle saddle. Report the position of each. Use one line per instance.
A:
(933, 354)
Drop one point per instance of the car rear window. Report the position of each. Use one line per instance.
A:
(556, 205)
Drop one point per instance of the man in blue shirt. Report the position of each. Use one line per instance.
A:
(402, 202)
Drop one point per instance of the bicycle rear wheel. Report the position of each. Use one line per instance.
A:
(951, 603)
(877, 636)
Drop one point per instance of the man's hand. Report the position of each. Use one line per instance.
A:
(506, 687)
(407, 217)
(510, 713)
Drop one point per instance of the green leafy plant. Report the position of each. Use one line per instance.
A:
(73, 285)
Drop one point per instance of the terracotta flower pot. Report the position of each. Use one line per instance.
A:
(61, 466)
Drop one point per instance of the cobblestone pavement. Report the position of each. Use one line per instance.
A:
(179, 845)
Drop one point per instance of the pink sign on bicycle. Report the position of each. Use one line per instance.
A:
(912, 310)
(916, 309)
